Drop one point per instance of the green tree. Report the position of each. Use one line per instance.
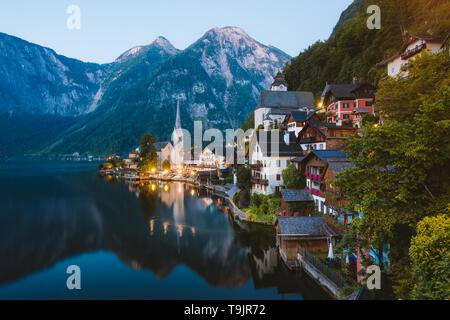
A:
(148, 155)
(292, 178)
(243, 176)
(401, 172)
(430, 258)
(166, 165)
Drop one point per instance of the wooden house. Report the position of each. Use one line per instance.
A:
(296, 203)
(312, 233)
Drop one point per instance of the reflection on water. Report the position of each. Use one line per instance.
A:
(131, 241)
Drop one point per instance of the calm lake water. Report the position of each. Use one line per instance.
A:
(130, 242)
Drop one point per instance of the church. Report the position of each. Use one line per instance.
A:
(276, 104)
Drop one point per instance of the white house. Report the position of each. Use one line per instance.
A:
(163, 150)
(410, 50)
(210, 159)
(270, 152)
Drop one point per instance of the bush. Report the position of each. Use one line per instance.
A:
(236, 197)
(244, 199)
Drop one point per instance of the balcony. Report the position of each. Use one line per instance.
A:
(409, 53)
(256, 180)
(256, 167)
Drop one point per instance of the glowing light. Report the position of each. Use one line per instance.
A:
(192, 192)
(193, 231)
(180, 231)
(166, 227)
(375, 125)
(320, 104)
(166, 171)
(153, 170)
(180, 189)
(180, 171)
(166, 188)
(153, 187)
(152, 226)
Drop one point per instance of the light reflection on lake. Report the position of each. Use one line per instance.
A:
(130, 241)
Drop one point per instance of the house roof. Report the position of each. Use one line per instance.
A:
(306, 226)
(160, 145)
(326, 155)
(285, 99)
(340, 90)
(277, 146)
(296, 195)
(299, 159)
(322, 128)
(280, 111)
(301, 115)
(337, 165)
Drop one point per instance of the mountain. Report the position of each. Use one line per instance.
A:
(217, 81)
(36, 80)
(354, 50)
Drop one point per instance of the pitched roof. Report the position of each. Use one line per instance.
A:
(301, 115)
(306, 226)
(326, 155)
(340, 90)
(277, 146)
(160, 145)
(285, 99)
(337, 165)
(296, 195)
(323, 127)
(299, 159)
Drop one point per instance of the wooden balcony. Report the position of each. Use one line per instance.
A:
(259, 181)
(256, 167)
(414, 51)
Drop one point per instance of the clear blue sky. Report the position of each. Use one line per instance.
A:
(109, 28)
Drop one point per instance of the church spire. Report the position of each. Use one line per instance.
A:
(178, 118)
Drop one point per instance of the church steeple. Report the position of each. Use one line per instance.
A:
(279, 84)
(178, 118)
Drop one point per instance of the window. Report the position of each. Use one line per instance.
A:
(287, 163)
(369, 103)
(278, 177)
(346, 116)
(278, 163)
(346, 105)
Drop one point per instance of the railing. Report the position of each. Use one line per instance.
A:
(413, 51)
(256, 166)
(263, 182)
(321, 267)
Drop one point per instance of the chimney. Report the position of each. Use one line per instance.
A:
(355, 80)
(286, 138)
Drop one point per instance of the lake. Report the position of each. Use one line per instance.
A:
(155, 241)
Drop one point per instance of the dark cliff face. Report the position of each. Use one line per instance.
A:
(36, 80)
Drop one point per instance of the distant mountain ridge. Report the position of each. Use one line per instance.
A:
(217, 80)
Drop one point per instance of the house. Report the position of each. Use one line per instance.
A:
(210, 159)
(207, 177)
(315, 163)
(270, 152)
(275, 118)
(324, 136)
(296, 203)
(311, 233)
(334, 199)
(163, 150)
(415, 45)
(296, 120)
(341, 100)
(278, 98)
(130, 160)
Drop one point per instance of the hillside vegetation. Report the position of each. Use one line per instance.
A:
(354, 50)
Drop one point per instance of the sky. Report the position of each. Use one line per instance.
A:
(108, 28)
